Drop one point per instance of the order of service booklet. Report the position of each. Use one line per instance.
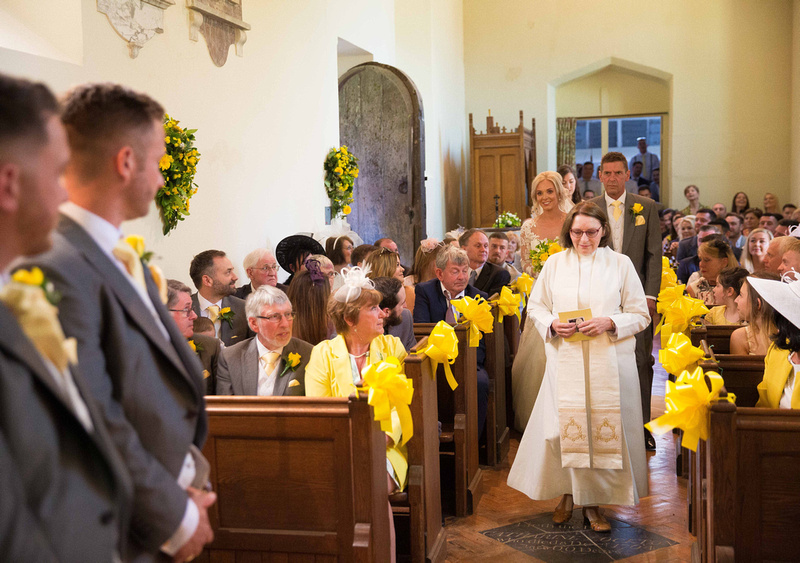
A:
(576, 317)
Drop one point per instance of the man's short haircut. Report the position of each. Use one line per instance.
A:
(736, 215)
(789, 205)
(102, 118)
(614, 156)
(24, 110)
(643, 187)
(788, 223)
(202, 265)
(388, 288)
(361, 252)
(174, 287)
(755, 211)
(777, 216)
(466, 235)
(639, 162)
(253, 257)
(721, 223)
(499, 234)
(203, 324)
(380, 240)
(451, 254)
(707, 211)
(265, 295)
(589, 162)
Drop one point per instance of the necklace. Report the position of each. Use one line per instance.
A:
(360, 355)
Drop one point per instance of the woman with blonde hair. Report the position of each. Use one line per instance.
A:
(423, 269)
(755, 250)
(714, 255)
(753, 339)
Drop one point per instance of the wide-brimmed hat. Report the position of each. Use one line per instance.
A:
(293, 247)
(783, 296)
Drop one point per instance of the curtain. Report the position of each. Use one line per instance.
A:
(565, 140)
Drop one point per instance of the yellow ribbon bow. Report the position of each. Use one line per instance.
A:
(679, 354)
(524, 284)
(677, 311)
(390, 389)
(442, 348)
(479, 312)
(687, 406)
(508, 303)
(668, 276)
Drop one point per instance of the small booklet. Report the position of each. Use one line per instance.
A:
(576, 317)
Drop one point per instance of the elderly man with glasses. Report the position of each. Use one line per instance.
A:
(272, 363)
(262, 269)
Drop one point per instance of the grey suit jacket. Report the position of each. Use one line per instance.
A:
(209, 352)
(64, 491)
(641, 244)
(239, 375)
(238, 329)
(149, 387)
(405, 330)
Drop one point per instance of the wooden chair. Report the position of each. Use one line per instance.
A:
(753, 485)
(512, 332)
(423, 494)
(497, 433)
(297, 478)
(717, 337)
(458, 413)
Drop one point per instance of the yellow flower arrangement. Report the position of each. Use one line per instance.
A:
(178, 166)
(341, 170)
(541, 252)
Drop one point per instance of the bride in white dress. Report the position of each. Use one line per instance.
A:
(550, 206)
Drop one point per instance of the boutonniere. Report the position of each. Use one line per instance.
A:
(225, 314)
(636, 212)
(36, 278)
(292, 361)
(196, 348)
(137, 243)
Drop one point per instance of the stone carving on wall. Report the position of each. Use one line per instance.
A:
(220, 23)
(137, 21)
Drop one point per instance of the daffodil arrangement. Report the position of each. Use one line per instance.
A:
(507, 219)
(292, 361)
(36, 278)
(225, 314)
(341, 171)
(178, 166)
(541, 252)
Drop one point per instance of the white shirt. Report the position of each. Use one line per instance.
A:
(649, 163)
(591, 184)
(452, 298)
(788, 390)
(477, 271)
(204, 304)
(617, 226)
(266, 381)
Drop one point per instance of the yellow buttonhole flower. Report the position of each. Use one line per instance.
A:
(34, 276)
(224, 310)
(346, 210)
(637, 207)
(136, 242)
(294, 359)
(192, 346)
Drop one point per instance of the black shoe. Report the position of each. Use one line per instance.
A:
(649, 441)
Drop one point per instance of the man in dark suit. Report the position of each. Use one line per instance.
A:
(483, 275)
(635, 232)
(213, 276)
(262, 269)
(139, 367)
(272, 363)
(65, 494)
(688, 247)
(433, 305)
(207, 348)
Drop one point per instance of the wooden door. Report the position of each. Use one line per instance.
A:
(381, 122)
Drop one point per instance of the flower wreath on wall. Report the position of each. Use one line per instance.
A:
(178, 166)
(341, 171)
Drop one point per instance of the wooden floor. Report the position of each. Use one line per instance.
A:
(663, 512)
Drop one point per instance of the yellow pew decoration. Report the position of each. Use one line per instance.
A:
(679, 355)
(523, 285)
(668, 276)
(508, 303)
(687, 406)
(443, 349)
(479, 312)
(677, 311)
(389, 389)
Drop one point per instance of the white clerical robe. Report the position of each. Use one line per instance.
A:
(537, 469)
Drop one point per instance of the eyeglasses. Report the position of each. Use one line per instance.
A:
(187, 311)
(276, 318)
(591, 233)
(268, 268)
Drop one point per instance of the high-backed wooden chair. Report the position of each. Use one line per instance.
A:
(297, 478)
(458, 413)
(497, 433)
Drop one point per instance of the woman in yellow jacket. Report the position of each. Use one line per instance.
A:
(779, 388)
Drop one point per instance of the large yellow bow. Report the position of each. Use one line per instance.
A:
(524, 284)
(390, 389)
(679, 354)
(508, 303)
(443, 349)
(687, 406)
(668, 276)
(677, 311)
(479, 312)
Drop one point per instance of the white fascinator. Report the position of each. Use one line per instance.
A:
(355, 279)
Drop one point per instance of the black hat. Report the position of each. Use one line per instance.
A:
(294, 247)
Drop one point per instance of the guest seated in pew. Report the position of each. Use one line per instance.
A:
(791, 256)
(714, 255)
(207, 347)
(779, 389)
(360, 254)
(754, 250)
(262, 269)
(422, 270)
(484, 275)
(398, 321)
(386, 263)
(753, 339)
(339, 250)
(433, 305)
(729, 284)
(272, 363)
(204, 326)
(291, 253)
(309, 294)
(325, 267)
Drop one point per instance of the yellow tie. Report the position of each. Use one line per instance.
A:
(125, 253)
(213, 312)
(270, 359)
(617, 209)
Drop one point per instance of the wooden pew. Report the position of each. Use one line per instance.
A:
(512, 331)
(718, 337)
(497, 433)
(458, 413)
(297, 478)
(753, 485)
(424, 501)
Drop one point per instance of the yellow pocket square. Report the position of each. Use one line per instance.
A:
(294, 383)
(639, 221)
(206, 375)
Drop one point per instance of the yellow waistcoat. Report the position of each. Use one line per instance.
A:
(777, 370)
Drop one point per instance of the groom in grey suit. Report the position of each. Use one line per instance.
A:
(139, 367)
(272, 363)
(65, 494)
(635, 232)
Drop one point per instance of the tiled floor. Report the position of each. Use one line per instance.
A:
(508, 526)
